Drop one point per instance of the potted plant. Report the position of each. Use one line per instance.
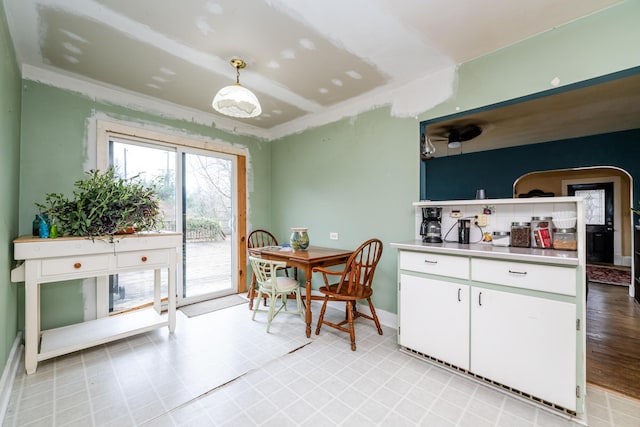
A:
(104, 204)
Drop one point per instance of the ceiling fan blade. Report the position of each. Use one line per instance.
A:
(468, 132)
(458, 131)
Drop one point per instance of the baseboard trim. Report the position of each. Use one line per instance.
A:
(9, 374)
(386, 318)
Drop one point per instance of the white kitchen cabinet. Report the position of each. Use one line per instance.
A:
(525, 342)
(522, 326)
(434, 318)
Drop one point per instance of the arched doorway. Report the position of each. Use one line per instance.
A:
(559, 183)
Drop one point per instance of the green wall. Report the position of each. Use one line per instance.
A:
(600, 44)
(9, 185)
(54, 151)
(358, 177)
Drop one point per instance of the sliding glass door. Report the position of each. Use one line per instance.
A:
(208, 206)
(197, 197)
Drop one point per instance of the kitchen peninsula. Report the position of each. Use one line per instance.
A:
(512, 317)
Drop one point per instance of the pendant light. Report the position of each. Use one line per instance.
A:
(236, 100)
(427, 149)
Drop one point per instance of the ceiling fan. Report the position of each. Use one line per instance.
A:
(455, 133)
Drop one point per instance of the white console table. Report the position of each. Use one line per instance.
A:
(66, 258)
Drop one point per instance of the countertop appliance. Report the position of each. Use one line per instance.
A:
(431, 227)
(464, 229)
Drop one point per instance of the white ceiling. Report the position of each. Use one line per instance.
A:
(309, 62)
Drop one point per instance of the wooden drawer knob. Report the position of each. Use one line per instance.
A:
(77, 265)
(144, 259)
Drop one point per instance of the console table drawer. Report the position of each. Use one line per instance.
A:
(430, 263)
(136, 259)
(545, 278)
(76, 264)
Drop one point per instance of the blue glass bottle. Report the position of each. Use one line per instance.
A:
(47, 220)
(43, 228)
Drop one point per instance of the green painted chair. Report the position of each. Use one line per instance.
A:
(258, 239)
(274, 286)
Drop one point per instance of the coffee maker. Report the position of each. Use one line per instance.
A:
(431, 227)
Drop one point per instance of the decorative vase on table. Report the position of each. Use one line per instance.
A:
(299, 239)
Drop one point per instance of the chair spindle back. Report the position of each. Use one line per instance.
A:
(261, 238)
(361, 266)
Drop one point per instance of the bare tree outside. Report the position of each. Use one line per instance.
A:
(212, 177)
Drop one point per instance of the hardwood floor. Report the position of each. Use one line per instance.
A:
(613, 339)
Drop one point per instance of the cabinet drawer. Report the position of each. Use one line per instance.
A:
(77, 264)
(430, 263)
(545, 278)
(135, 259)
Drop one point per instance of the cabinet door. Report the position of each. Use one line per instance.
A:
(525, 342)
(434, 318)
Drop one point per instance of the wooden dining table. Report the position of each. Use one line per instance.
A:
(305, 260)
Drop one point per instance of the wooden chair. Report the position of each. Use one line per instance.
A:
(274, 286)
(259, 239)
(354, 284)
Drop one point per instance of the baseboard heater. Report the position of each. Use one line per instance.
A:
(490, 381)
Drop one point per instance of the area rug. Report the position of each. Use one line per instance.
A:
(609, 275)
(211, 305)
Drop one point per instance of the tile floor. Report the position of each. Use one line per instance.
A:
(222, 369)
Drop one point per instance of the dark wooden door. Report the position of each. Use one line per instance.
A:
(598, 206)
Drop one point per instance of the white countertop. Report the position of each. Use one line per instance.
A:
(489, 251)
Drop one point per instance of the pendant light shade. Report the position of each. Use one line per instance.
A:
(427, 149)
(236, 100)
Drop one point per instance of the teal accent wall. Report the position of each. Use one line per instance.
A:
(458, 177)
(54, 151)
(10, 104)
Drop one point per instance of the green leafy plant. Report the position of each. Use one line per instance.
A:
(104, 204)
